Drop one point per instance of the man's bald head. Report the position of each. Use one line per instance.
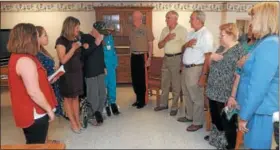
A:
(137, 14)
(137, 18)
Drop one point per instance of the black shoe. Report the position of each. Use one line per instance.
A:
(230, 147)
(135, 104)
(108, 111)
(206, 138)
(173, 112)
(115, 109)
(98, 117)
(139, 106)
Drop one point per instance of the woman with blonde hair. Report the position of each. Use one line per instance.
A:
(258, 89)
(71, 83)
(33, 100)
(219, 86)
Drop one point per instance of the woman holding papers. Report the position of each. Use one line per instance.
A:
(48, 63)
(71, 83)
(32, 97)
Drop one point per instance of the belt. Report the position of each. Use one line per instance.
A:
(193, 65)
(172, 55)
(138, 53)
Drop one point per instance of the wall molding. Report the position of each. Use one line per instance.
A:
(158, 6)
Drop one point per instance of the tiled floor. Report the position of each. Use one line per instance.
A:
(133, 129)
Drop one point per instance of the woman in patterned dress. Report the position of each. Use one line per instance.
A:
(47, 61)
(219, 86)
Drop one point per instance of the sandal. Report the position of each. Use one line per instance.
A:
(82, 129)
(77, 131)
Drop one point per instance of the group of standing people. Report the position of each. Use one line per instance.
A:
(35, 99)
(244, 76)
(88, 73)
(239, 75)
(182, 66)
(181, 48)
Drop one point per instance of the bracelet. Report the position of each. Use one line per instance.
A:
(232, 97)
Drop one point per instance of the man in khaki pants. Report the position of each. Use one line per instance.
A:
(172, 39)
(199, 42)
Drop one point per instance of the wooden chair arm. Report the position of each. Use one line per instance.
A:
(35, 146)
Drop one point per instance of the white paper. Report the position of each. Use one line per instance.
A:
(108, 47)
(80, 44)
(60, 70)
(276, 116)
(4, 77)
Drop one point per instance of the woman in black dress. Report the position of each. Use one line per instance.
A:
(71, 83)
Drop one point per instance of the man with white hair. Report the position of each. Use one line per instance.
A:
(141, 43)
(199, 42)
(172, 39)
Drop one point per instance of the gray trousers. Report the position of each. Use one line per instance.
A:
(96, 92)
(193, 95)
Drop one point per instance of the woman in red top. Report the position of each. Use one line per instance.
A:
(33, 100)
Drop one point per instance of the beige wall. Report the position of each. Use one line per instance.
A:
(237, 15)
(213, 19)
(52, 21)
